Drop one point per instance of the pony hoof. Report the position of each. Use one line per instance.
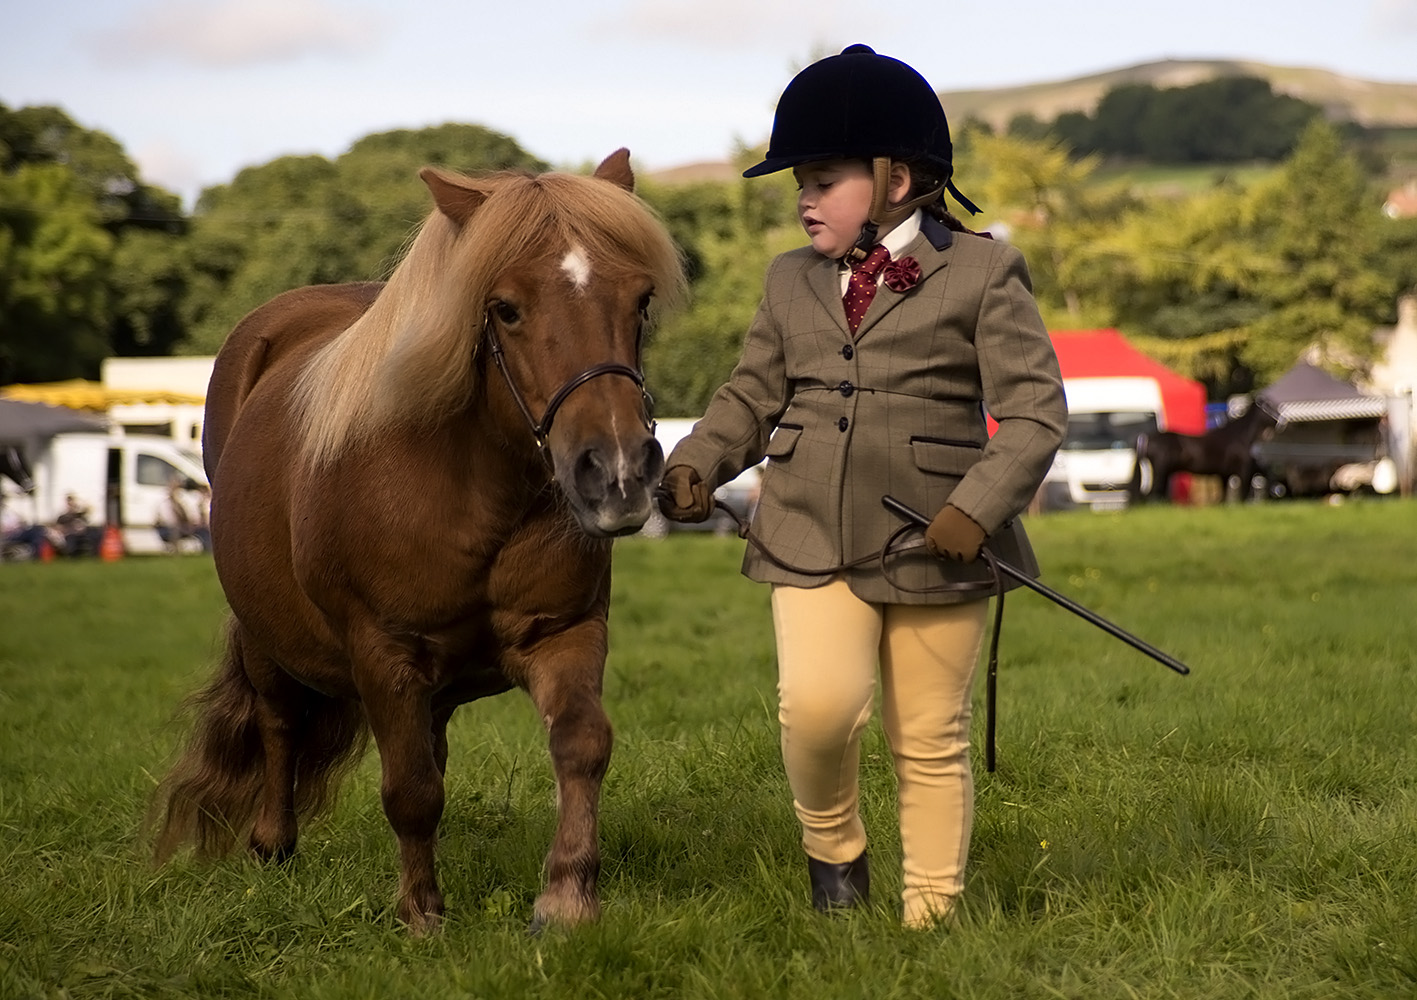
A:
(422, 920)
(422, 925)
(272, 853)
(566, 911)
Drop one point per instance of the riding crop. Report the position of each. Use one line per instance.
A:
(999, 568)
(914, 516)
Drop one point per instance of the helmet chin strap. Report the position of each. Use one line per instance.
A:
(883, 214)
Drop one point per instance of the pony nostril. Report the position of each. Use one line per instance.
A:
(653, 466)
(592, 475)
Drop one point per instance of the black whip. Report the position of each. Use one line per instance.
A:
(1116, 631)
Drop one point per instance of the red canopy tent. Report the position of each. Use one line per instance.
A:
(1103, 353)
(1100, 353)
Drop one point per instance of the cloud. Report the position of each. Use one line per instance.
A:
(1398, 16)
(731, 24)
(233, 33)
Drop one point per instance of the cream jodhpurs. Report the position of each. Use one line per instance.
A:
(829, 643)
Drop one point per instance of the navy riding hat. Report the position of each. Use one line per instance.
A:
(859, 105)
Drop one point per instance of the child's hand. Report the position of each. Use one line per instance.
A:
(953, 533)
(684, 497)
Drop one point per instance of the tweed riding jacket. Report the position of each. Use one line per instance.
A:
(897, 409)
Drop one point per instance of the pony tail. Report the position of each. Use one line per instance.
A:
(209, 796)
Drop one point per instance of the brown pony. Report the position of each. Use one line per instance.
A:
(398, 535)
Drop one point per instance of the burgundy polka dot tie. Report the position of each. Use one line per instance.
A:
(861, 289)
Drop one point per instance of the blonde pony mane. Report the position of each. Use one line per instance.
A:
(408, 359)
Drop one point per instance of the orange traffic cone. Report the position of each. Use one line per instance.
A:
(111, 548)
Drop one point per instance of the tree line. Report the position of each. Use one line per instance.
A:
(1230, 119)
(1227, 283)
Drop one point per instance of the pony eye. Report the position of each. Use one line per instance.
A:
(506, 312)
(644, 304)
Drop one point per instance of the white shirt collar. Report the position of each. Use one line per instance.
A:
(898, 238)
(902, 235)
(895, 241)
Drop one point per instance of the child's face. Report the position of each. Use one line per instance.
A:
(833, 203)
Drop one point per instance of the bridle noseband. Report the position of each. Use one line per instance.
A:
(540, 429)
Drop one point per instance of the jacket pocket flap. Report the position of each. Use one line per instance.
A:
(942, 457)
(783, 440)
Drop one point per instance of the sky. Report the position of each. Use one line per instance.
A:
(195, 90)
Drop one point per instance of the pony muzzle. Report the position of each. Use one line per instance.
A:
(610, 484)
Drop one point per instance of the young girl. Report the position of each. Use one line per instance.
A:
(866, 372)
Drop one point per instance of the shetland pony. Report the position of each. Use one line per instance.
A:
(397, 533)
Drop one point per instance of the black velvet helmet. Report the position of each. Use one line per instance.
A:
(857, 105)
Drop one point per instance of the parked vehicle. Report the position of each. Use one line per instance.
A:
(121, 480)
(1098, 456)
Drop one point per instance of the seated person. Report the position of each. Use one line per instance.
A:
(75, 536)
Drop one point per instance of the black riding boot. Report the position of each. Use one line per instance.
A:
(839, 887)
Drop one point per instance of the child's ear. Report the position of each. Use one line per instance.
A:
(899, 182)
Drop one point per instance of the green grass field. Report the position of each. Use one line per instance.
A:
(1243, 832)
(1173, 180)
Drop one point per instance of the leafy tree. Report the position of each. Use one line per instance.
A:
(1234, 286)
(1055, 214)
(147, 284)
(1075, 129)
(1316, 220)
(304, 220)
(1182, 286)
(380, 172)
(1026, 125)
(729, 232)
(74, 214)
(1229, 119)
(1396, 257)
(1120, 121)
(55, 257)
(273, 228)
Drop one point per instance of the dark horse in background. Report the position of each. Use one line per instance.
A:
(1228, 451)
(399, 529)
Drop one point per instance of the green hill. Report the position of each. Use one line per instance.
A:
(1370, 103)
(1343, 98)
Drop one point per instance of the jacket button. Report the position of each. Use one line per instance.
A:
(848, 352)
(843, 424)
(846, 388)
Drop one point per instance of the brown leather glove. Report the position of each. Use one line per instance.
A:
(683, 496)
(953, 533)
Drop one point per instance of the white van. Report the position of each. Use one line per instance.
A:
(1098, 456)
(121, 480)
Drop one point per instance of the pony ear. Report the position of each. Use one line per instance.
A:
(452, 193)
(615, 168)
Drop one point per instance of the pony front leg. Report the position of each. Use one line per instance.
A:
(397, 703)
(580, 742)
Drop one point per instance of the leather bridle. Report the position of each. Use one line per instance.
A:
(541, 428)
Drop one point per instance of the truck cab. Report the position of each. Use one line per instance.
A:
(1098, 456)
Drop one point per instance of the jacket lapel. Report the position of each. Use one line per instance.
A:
(825, 281)
(931, 250)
